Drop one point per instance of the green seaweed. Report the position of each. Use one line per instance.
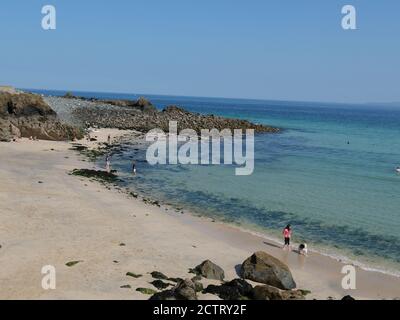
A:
(159, 275)
(304, 292)
(72, 263)
(127, 286)
(159, 284)
(146, 291)
(102, 176)
(133, 275)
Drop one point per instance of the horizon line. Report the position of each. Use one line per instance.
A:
(393, 103)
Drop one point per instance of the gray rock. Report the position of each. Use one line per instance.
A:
(159, 284)
(237, 289)
(262, 267)
(267, 292)
(184, 290)
(209, 270)
(198, 286)
(159, 275)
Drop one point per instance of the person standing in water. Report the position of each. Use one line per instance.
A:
(134, 168)
(287, 234)
(108, 163)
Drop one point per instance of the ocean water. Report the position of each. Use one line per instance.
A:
(330, 173)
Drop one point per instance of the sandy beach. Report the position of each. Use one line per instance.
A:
(48, 217)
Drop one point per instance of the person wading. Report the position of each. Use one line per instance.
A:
(287, 234)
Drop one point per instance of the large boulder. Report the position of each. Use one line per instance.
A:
(262, 267)
(267, 292)
(209, 270)
(184, 290)
(237, 289)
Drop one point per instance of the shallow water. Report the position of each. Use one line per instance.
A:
(330, 174)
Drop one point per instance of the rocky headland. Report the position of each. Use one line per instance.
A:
(66, 118)
(141, 115)
(28, 115)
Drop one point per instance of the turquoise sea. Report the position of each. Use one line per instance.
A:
(330, 173)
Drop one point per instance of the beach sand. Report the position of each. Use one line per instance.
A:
(48, 217)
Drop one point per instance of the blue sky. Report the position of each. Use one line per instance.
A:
(278, 49)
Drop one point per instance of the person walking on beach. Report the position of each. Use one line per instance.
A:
(109, 139)
(287, 234)
(108, 164)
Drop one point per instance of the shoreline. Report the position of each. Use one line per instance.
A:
(137, 140)
(168, 242)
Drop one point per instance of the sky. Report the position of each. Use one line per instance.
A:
(260, 49)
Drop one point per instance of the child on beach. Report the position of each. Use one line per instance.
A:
(287, 234)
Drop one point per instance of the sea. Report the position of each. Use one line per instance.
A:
(330, 173)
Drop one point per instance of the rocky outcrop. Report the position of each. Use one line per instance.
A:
(197, 121)
(209, 270)
(142, 116)
(141, 104)
(267, 292)
(262, 267)
(184, 290)
(26, 115)
(237, 289)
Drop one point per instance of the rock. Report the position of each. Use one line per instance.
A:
(267, 292)
(159, 284)
(176, 280)
(126, 286)
(164, 295)
(237, 289)
(263, 268)
(198, 286)
(348, 298)
(197, 278)
(184, 290)
(142, 116)
(209, 270)
(26, 115)
(159, 275)
(144, 105)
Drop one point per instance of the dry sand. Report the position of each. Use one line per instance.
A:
(68, 218)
